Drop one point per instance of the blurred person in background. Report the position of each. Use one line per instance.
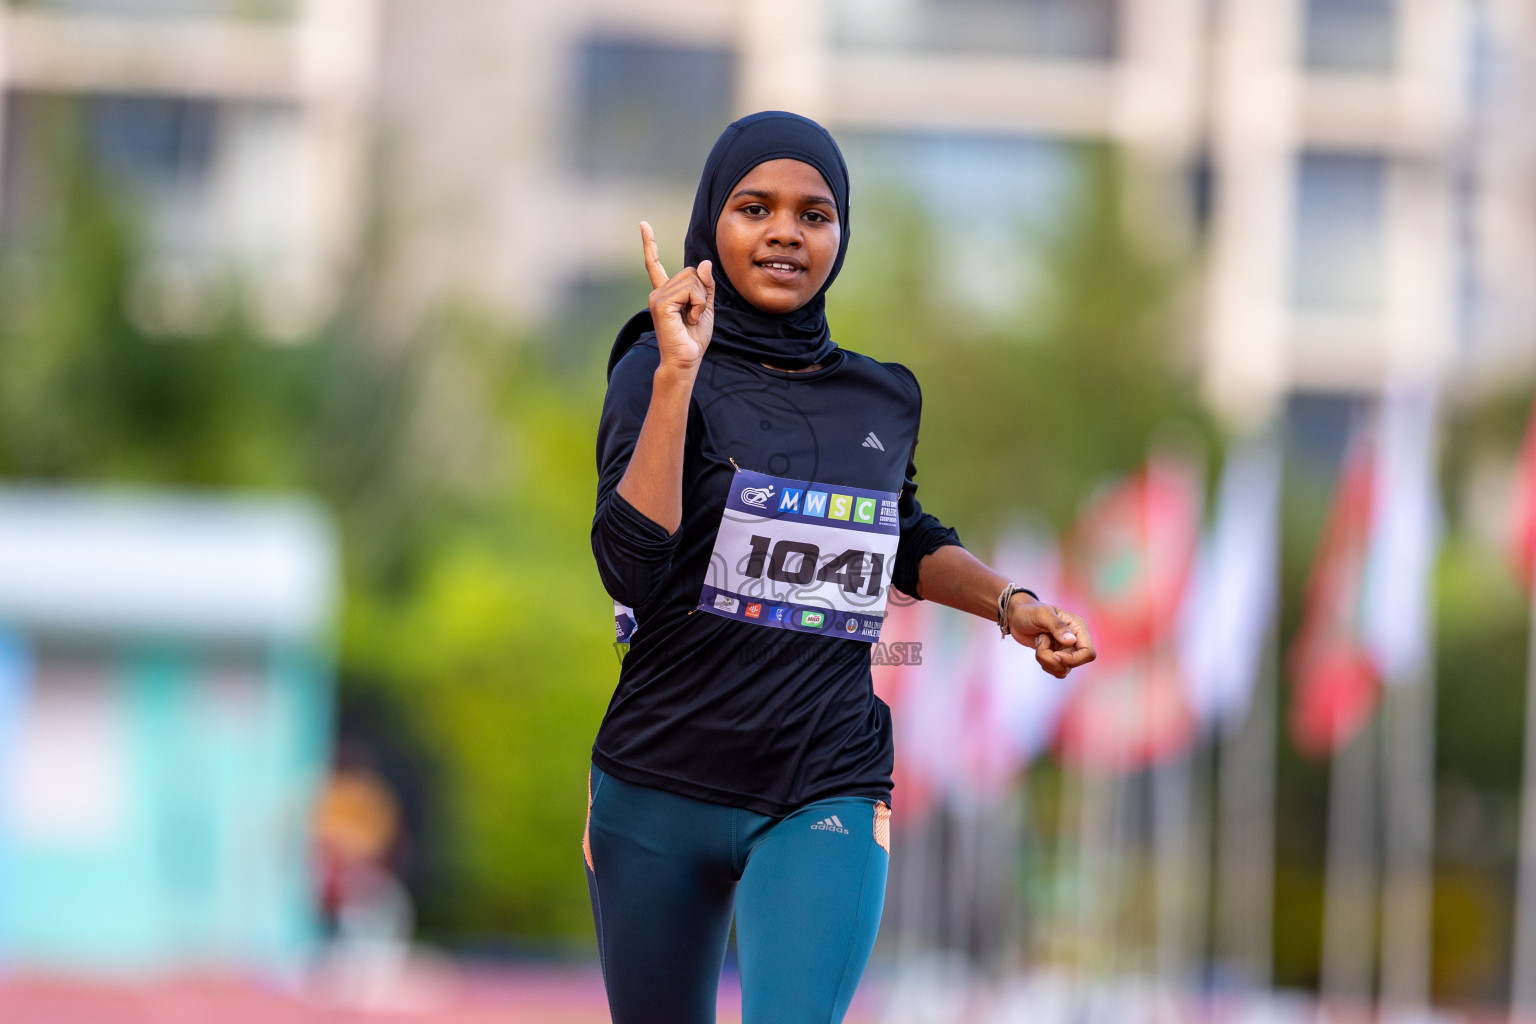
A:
(366, 911)
(744, 763)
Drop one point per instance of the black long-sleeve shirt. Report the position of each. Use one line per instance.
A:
(720, 709)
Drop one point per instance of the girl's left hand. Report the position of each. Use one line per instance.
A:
(1059, 637)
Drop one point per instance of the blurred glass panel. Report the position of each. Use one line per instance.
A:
(984, 202)
(206, 185)
(1350, 35)
(260, 9)
(1470, 298)
(1074, 29)
(1200, 186)
(1318, 427)
(1341, 232)
(648, 109)
(155, 153)
(160, 152)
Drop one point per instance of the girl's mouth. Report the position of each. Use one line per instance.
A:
(781, 270)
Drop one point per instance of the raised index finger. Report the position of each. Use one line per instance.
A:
(653, 265)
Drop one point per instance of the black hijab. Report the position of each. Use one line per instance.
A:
(793, 340)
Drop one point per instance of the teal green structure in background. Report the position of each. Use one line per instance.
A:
(159, 771)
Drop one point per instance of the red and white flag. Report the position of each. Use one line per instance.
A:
(1025, 699)
(973, 708)
(1336, 683)
(1128, 562)
(1008, 705)
(1368, 617)
(902, 679)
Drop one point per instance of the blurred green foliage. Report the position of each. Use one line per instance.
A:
(83, 393)
(1029, 413)
(460, 472)
(502, 650)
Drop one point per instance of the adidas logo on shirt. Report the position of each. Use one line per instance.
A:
(871, 441)
(832, 824)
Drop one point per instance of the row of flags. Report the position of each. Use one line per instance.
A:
(1182, 616)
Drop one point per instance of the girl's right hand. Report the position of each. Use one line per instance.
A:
(682, 307)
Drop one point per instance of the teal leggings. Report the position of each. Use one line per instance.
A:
(665, 873)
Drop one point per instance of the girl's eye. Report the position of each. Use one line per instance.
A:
(815, 216)
(754, 209)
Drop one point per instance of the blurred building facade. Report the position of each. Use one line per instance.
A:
(1357, 173)
(237, 128)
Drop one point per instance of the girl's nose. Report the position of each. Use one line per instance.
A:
(785, 229)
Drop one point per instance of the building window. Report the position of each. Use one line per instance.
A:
(213, 190)
(154, 153)
(1318, 429)
(650, 110)
(985, 205)
(1339, 255)
(1066, 29)
(1350, 35)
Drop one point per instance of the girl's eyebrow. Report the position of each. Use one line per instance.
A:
(809, 197)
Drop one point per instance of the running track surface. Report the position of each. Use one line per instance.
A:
(510, 995)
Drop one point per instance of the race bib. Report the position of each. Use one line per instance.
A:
(794, 554)
(623, 623)
(623, 628)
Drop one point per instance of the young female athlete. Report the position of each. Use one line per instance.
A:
(755, 503)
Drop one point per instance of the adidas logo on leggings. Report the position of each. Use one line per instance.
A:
(832, 824)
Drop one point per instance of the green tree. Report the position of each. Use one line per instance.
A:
(1034, 412)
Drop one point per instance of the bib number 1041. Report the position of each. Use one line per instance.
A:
(846, 570)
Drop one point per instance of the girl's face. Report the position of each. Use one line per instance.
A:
(778, 235)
